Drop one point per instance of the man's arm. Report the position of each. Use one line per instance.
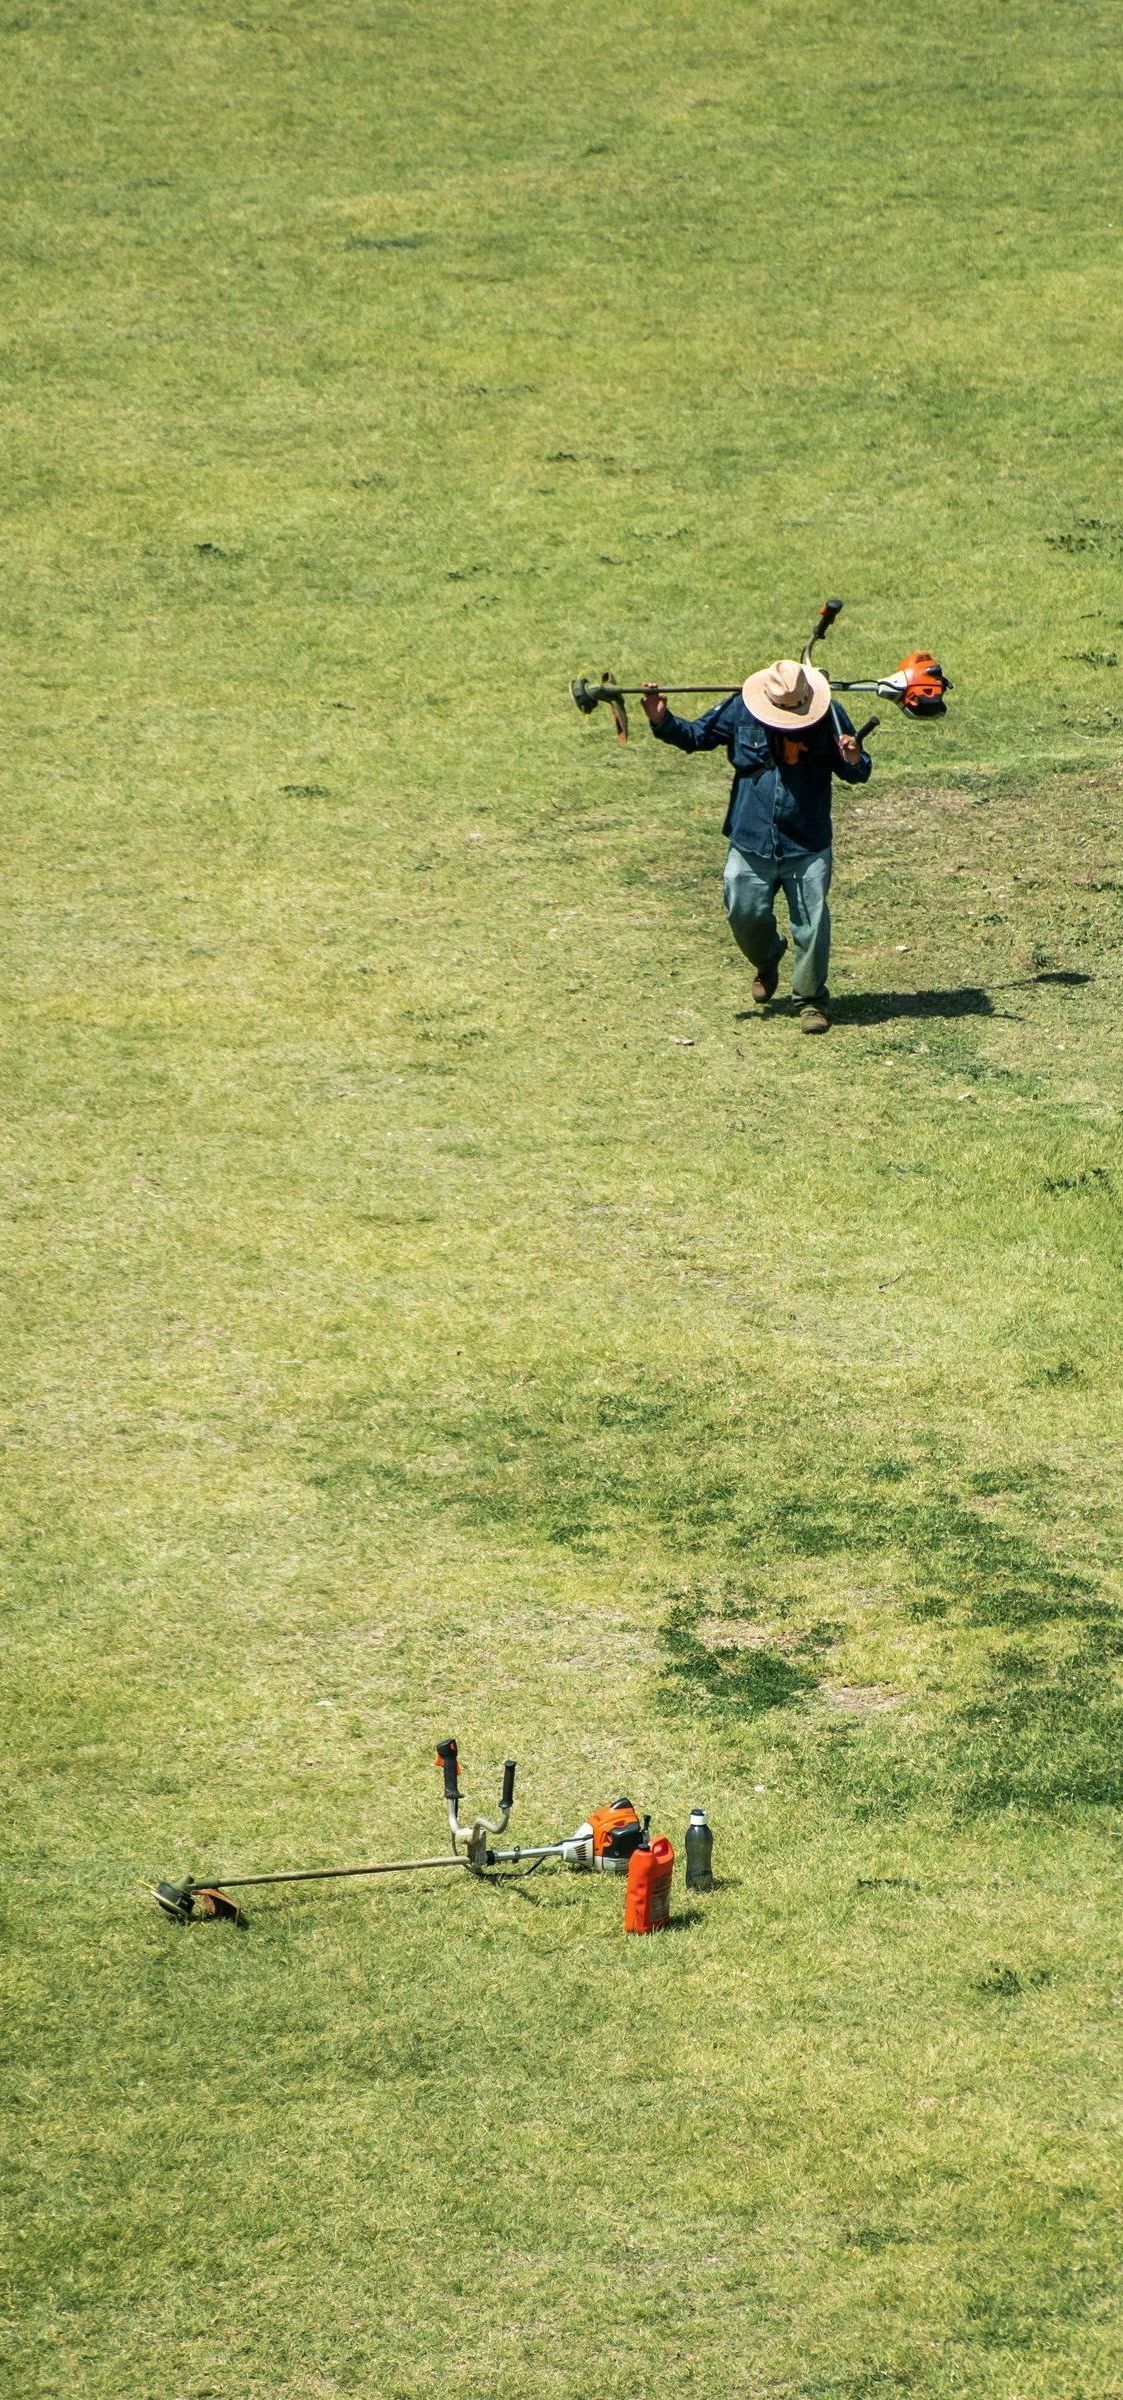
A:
(710, 732)
(850, 762)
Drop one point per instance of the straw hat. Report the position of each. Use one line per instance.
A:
(787, 696)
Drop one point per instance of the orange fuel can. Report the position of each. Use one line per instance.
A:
(647, 1902)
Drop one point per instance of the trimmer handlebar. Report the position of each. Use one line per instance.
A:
(472, 1832)
(823, 622)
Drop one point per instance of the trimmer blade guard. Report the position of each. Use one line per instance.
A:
(212, 1903)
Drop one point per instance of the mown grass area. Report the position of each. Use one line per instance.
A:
(438, 1302)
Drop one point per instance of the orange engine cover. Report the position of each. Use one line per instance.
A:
(924, 693)
(616, 1830)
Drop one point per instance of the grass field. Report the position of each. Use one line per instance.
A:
(437, 1302)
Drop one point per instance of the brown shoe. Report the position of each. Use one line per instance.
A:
(814, 1019)
(766, 978)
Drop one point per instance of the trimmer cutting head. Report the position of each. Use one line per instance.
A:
(585, 696)
(183, 1902)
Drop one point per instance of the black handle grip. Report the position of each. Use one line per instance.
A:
(506, 1798)
(827, 614)
(870, 726)
(446, 1752)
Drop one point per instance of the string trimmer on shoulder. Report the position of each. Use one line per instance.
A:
(917, 684)
(604, 1842)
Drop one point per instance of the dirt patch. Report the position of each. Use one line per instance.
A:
(741, 1633)
(861, 1699)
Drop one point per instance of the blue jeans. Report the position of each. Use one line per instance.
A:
(751, 885)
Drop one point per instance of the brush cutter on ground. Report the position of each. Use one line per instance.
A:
(604, 1842)
(917, 685)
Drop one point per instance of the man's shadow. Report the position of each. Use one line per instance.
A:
(960, 1000)
(877, 1008)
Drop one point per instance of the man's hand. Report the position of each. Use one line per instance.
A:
(848, 746)
(654, 705)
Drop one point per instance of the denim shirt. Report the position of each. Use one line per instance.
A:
(773, 809)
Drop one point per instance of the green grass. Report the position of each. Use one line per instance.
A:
(438, 1302)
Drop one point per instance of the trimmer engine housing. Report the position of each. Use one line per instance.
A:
(607, 1839)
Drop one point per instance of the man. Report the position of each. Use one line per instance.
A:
(784, 739)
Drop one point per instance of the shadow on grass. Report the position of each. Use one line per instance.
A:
(879, 1008)
(581, 1460)
(1041, 1730)
(744, 1683)
(959, 1000)
(1070, 977)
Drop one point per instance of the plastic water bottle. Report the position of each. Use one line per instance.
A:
(699, 1853)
